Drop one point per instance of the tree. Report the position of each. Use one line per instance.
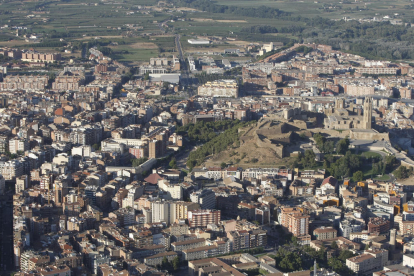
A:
(173, 163)
(367, 246)
(146, 76)
(345, 254)
(328, 147)
(294, 240)
(96, 147)
(402, 172)
(176, 263)
(358, 176)
(334, 245)
(342, 146)
(291, 262)
(319, 140)
(390, 161)
(164, 262)
(223, 165)
(138, 161)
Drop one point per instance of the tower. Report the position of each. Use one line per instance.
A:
(367, 119)
(393, 234)
(339, 103)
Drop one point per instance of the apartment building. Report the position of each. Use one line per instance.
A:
(205, 198)
(67, 81)
(162, 211)
(325, 233)
(296, 223)
(358, 90)
(379, 225)
(30, 83)
(377, 70)
(22, 183)
(200, 253)
(158, 258)
(201, 218)
(219, 88)
(182, 208)
(370, 261)
(188, 244)
(239, 240)
(12, 169)
(32, 56)
(18, 145)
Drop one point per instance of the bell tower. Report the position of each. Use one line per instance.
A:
(367, 121)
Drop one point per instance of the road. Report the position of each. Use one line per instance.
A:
(161, 26)
(182, 156)
(391, 100)
(186, 79)
(6, 232)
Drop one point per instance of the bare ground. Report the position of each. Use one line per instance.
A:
(232, 21)
(144, 45)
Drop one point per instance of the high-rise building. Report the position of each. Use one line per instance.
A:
(206, 198)
(154, 148)
(163, 211)
(12, 169)
(295, 222)
(22, 183)
(182, 208)
(201, 218)
(18, 145)
(90, 192)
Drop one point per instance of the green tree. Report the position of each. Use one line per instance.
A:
(390, 162)
(334, 245)
(294, 240)
(328, 147)
(342, 146)
(176, 263)
(291, 262)
(403, 172)
(96, 147)
(345, 254)
(319, 140)
(358, 176)
(173, 163)
(138, 161)
(164, 262)
(223, 165)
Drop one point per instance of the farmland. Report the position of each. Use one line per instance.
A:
(132, 22)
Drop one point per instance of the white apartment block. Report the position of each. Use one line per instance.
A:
(18, 145)
(206, 199)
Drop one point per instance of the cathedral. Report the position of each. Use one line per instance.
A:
(340, 117)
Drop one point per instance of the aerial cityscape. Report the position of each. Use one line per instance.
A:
(206, 138)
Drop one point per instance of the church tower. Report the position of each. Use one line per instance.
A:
(367, 121)
(339, 103)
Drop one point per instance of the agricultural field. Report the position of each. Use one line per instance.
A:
(138, 21)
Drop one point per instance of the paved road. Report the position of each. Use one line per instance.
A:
(391, 100)
(185, 75)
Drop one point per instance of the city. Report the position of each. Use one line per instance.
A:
(202, 154)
